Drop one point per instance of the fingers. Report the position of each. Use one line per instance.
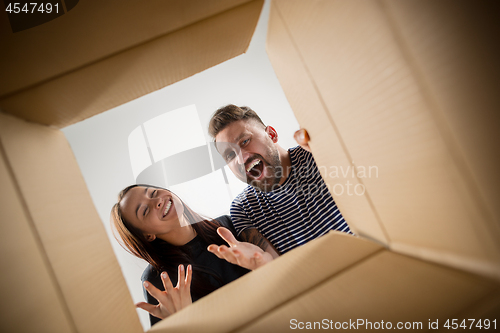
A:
(181, 276)
(174, 292)
(166, 307)
(228, 254)
(189, 276)
(172, 299)
(260, 259)
(153, 309)
(214, 249)
(167, 284)
(186, 291)
(153, 291)
(181, 296)
(302, 138)
(223, 252)
(227, 236)
(173, 302)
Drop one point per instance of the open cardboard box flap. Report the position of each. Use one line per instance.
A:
(399, 100)
(407, 87)
(102, 54)
(59, 271)
(340, 278)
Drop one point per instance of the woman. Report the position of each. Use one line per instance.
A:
(155, 225)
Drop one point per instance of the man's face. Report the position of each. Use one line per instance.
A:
(250, 152)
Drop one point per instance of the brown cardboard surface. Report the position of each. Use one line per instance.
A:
(309, 108)
(487, 308)
(388, 287)
(456, 48)
(311, 284)
(364, 78)
(90, 32)
(431, 205)
(78, 282)
(73, 237)
(139, 70)
(31, 299)
(255, 294)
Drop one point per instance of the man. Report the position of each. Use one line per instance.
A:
(287, 201)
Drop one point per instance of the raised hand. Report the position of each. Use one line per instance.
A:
(244, 254)
(172, 299)
(302, 138)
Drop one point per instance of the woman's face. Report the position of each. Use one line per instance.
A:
(156, 212)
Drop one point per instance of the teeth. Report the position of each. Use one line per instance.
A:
(254, 163)
(167, 208)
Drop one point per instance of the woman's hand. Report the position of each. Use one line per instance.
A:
(172, 299)
(244, 254)
(302, 138)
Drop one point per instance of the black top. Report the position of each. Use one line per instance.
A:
(218, 272)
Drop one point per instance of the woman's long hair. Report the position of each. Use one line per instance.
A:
(162, 255)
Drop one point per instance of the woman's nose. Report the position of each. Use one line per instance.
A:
(158, 202)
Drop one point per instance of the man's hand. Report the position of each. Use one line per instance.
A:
(302, 139)
(172, 299)
(244, 254)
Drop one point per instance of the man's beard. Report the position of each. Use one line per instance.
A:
(272, 166)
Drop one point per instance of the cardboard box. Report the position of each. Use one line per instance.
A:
(407, 87)
(404, 86)
(342, 279)
(59, 271)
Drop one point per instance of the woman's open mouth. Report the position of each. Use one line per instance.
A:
(167, 207)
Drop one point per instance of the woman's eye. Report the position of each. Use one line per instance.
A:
(153, 194)
(145, 212)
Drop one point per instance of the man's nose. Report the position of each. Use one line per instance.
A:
(243, 156)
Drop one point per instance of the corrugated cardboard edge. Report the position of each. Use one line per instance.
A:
(304, 99)
(94, 30)
(253, 295)
(387, 287)
(338, 277)
(72, 237)
(137, 71)
(310, 110)
(28, 284)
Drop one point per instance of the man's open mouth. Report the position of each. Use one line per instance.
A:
(255, 168)
(167, 207)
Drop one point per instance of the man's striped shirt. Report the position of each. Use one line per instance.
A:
(300, 210)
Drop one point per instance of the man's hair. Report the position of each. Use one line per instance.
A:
(229, 114)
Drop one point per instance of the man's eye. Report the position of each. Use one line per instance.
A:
(245, 142)
(230, 156)
(153, 194)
